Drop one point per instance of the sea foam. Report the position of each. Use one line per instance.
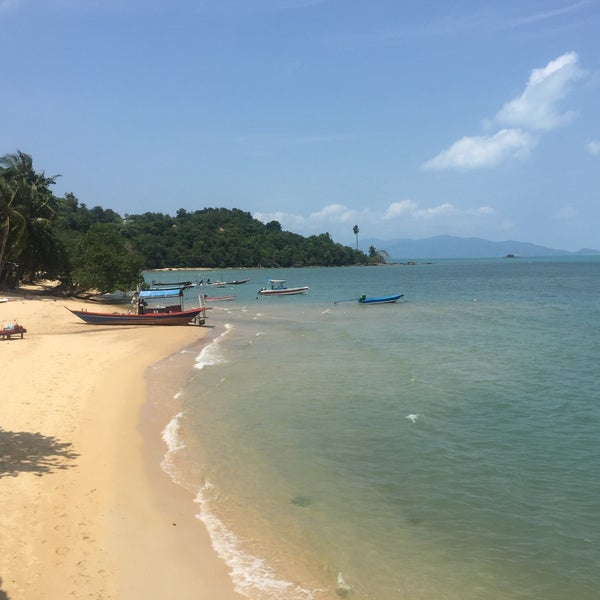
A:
(251, 575)
(174, 442)
(211, 354)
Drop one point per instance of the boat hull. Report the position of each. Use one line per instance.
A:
(218, 298)
(284, 292)
(171, 318)
(380, 299)
(174, 285)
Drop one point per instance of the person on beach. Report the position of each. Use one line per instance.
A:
(141, 306)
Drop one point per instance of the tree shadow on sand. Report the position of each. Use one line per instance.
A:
(24, 452)
(3, 594)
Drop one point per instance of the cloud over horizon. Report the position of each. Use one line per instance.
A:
(404, 215)
(475, 152)
(535, 110)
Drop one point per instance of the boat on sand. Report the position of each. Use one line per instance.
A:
(184, 317)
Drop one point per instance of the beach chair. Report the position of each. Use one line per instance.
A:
(11, 329)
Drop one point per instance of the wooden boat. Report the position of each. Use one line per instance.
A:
(278, 287)
(380, 299)
(238, 281)
(148, 318)
(218, 298)
(172, 284)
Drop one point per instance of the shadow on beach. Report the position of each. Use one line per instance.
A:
(3, 594)
(24, 452)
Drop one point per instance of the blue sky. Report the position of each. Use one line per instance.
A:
(409, 119)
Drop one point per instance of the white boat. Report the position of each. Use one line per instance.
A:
(278, 287)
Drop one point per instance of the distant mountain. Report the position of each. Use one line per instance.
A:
(447, 246)
(587, 252)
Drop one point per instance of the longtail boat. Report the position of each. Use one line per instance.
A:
(379, 299)
(183, 317)
(364, 299)
(173, 284)
(218, 298)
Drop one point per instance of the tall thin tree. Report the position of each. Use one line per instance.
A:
(355, 230)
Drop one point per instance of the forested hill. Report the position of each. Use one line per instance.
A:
(211, 237)
(43, 236)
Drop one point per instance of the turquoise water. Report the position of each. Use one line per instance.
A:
(443, 447)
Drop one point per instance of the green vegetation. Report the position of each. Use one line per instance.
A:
(42, 236)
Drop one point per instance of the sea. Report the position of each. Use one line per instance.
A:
(443, 447)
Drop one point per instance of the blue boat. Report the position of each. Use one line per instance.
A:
(374, 299)
(379, 299)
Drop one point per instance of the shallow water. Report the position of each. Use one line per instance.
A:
(443, 447)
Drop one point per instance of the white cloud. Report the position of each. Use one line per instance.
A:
(404, 217)
(315, 222)
(593, 147)
(537, 107)
(484, 151)
(400, 209)
(482, 210)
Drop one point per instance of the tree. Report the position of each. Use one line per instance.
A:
(104, 260)
(27, 211)
(12, 226)
(355, 229)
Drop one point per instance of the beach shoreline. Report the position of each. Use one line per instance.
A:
(87, 511)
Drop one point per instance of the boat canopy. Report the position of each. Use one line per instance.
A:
(167, 293)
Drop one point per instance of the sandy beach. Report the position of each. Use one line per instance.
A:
(86, 510)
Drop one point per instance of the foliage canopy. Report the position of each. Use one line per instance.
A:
(60, 238)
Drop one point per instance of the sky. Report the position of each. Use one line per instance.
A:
(408, 119)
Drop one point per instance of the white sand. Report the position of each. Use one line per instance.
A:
(83, 513)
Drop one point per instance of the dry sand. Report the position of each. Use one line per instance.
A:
(83, 512)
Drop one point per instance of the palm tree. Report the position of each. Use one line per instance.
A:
(27, 209)
(13, 224)
(355, 230)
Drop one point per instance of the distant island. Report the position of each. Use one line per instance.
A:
(447, 246)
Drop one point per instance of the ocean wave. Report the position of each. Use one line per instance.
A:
(175, 444)
(211, 354)
(251, 575)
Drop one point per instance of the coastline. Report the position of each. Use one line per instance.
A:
(85, 512)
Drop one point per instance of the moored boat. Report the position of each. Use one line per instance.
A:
(172, 284)
(364, 299)
(379, 299)
(278, 287)
(238, 281)
(218, 298)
